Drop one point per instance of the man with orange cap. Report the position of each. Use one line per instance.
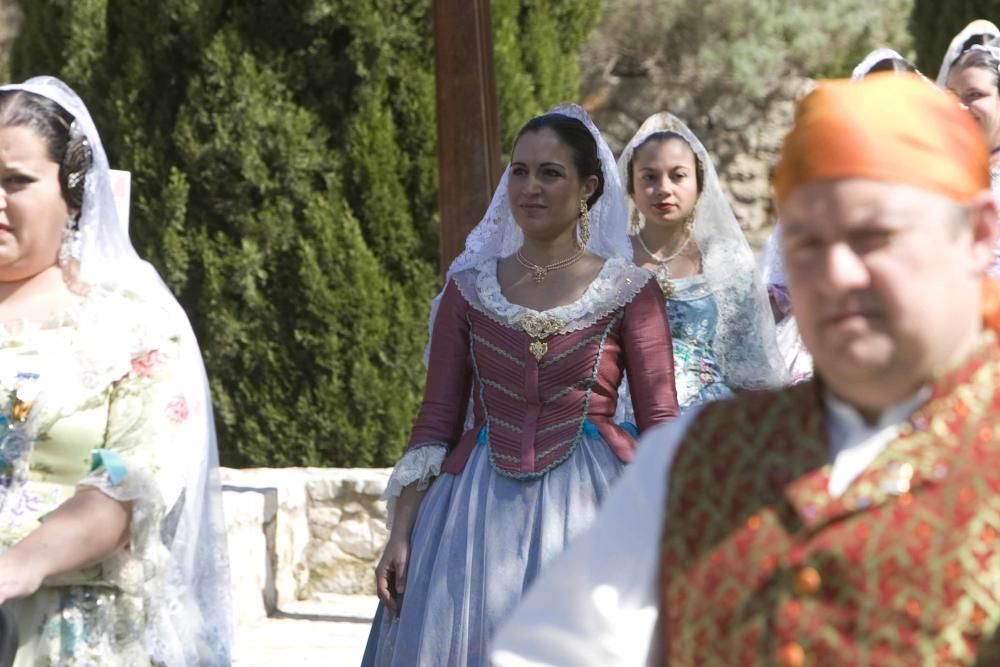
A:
(850, 520)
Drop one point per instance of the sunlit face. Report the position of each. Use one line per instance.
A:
(665, 181)
(977, 88)
(544, 187)
(33, 212)
(883, 279)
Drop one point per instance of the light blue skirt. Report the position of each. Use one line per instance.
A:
(479, 541)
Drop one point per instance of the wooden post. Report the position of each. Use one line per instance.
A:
(468, 131)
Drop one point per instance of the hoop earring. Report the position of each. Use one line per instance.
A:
(584, 224)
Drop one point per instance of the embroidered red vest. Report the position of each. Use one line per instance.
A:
(761, 566)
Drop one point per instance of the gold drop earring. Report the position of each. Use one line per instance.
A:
(584, 224)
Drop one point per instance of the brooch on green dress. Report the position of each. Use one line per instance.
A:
(13, 440)
(539, 327)
(25, 393)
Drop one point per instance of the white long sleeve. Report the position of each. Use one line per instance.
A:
(596, 605)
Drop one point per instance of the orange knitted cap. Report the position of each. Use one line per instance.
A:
(886, 127)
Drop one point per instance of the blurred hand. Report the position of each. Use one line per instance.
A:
(390, 573)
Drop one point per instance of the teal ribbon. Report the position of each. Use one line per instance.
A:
(112, 464)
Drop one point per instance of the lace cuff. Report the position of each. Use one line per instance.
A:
(145, 572)
(146, 560)
(420, 464)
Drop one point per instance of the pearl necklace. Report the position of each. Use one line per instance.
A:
(540, 272)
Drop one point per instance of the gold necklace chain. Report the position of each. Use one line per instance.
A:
(664, 276)
(540, 272)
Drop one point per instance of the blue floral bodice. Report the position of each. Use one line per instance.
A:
(694, 316)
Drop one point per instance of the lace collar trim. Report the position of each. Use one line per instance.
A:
(89, 344)
(81, 310)
(616, 284)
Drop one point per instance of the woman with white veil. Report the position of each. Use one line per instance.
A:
(111, 533)
(684, 230)
(540, 316)
(882, 60)
(979, 31)
(975, 79)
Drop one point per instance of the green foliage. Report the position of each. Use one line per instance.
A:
(10, 25)
(935, 24)
(284, 184)
(536, 45)
(745, 49)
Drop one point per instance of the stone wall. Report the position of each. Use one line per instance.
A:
(297, 533)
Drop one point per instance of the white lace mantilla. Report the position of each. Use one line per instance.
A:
(616, 284)
(420, 465)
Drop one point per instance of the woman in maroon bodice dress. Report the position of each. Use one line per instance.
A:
(540, 317)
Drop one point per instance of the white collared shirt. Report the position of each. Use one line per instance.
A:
(854, 443)
(597, 604)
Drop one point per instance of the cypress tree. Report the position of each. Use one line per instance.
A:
(935, 24)
(536, 45)
(284, 183)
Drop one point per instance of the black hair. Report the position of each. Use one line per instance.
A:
(581, 143)
(660, 137)
(981, 60)
(898, 65)
(54, 125)
(974, 40)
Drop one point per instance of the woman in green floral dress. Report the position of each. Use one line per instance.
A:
(111, 542)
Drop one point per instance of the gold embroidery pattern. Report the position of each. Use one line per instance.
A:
(758, 557)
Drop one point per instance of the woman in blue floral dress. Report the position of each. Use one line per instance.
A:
(684, 230)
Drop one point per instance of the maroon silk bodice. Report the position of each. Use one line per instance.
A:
(533, 409)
